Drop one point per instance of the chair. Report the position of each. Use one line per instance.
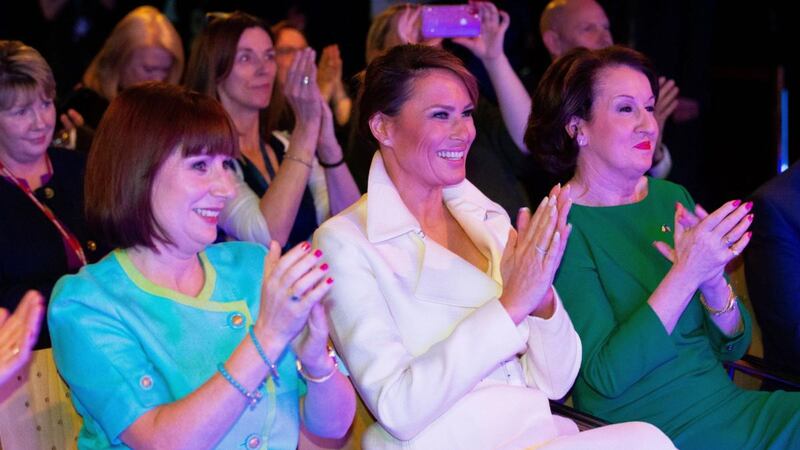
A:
(36, 412)
(752, 369)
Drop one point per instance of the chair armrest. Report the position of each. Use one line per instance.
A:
(756, 367)
(583, 420)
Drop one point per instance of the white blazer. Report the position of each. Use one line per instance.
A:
(432, 352)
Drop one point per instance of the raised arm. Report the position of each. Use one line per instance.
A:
(512, 97)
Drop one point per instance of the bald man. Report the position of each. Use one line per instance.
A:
(567, 24)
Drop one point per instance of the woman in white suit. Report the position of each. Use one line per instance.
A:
(445, 316)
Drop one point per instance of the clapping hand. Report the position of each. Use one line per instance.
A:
(292, 288)
(18, 333)
(705, 243)
(532, 256)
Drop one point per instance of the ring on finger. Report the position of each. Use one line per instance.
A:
(734, 251)
(727, 241)
(306, 80)
(540, 250)
(294, 297)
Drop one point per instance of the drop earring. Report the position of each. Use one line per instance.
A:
(581, 140)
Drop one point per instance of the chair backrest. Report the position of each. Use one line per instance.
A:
(36, 412)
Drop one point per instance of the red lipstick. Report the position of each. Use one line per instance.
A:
(644, 145)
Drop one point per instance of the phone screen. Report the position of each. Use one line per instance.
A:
(446, 21)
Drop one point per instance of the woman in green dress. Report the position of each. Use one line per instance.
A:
(643, 273)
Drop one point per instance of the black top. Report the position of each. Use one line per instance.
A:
(33, 253)
(306, 221)
(91, 106)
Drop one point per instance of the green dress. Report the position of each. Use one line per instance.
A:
(632, 369)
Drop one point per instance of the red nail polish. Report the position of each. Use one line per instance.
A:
(305, 246)
(329, 281)
(736, 203)
(323, 267)
(318, 253)
(748, 206)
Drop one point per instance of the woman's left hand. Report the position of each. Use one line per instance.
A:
(328, 148)
(302, 94)
(312, 349)
(720, 237)
(494, 23)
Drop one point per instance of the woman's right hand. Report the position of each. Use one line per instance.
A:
(18, 333)
(292, 285)
(532, 256)
(705, 243)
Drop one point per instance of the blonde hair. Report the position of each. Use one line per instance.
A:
(382, 34)
(145, 26)
(23, 72)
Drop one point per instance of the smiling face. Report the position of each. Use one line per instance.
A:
(187, 197)
(425, 145)
(249, 84)
(620, 136)
(146, 64)
(26, 129)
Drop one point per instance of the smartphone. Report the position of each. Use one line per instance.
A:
(447, 21)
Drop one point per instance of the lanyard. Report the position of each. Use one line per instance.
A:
(68, 237)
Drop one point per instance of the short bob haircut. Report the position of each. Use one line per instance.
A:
(142, 127)
(567, 90)
(389, 80)
(143, 27)
(24, 74)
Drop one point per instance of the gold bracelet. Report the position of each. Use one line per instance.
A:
(732, 298)
(323, 378)
(295, 158)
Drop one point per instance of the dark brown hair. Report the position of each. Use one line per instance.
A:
(389, 78)
(567, 90)
(141, 128)
(214, 51)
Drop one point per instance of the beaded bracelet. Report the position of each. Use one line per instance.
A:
(252, 397)
(323, 378)
(272, 369)
(727, 308)
(295, 158)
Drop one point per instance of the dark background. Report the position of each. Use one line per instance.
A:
(733, 57)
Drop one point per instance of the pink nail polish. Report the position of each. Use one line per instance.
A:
(329, 281)
(318, 253)
(323, 267)
(748, 234)
(748, 206)
(736, 203)
(750, 217)
(305, 246)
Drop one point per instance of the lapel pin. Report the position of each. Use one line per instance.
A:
(665, 228)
